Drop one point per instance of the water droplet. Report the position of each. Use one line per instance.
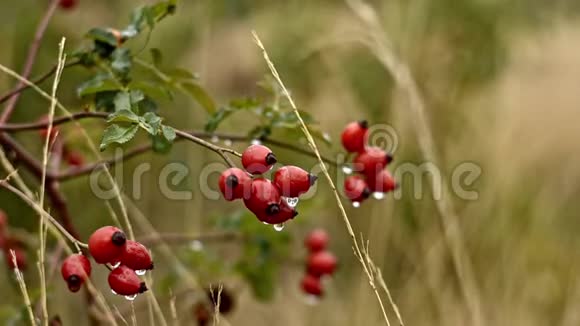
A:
(326, 136)
(311, 299)
(130, 297)
(356, 204)
(196, 245)
(215, 139)
(378, 195)
(292, 201)
(117, 264)
(279, 227)
(113, 291)
(140, 272)
(228, 142)
(346, 169)
(256, 142)
(264, 223)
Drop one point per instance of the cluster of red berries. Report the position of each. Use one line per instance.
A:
(320, 263)
(73, 158)
(109, 245)
(272, 201)
(369, 161)
(9, 243)
(68, 4)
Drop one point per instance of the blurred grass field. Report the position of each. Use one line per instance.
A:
(500, 80)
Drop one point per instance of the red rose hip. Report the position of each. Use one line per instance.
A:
(136, 256)
(354, 136)
(382, 182)
(284, 213)
(264, 198)
(321, 263)
(371, 161)
(107, 244)
(312, 285)
(74, 159)
(356, 188)
(75, 270)
(68, 4)
(293, 181)
(258, 159)
(234, 183)
(21, 260)
(317, 240)
(124, 281)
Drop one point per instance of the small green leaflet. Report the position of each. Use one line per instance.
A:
(118, 134)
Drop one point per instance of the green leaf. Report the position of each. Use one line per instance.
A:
(136, 96)
(99, 83)
(180, 74)
(147, 105)
(123, 116)
(216, 118)
(104, 35)
(200, 95)
(168, 133)
(118, 134)
(122, 61)
(151, 123)
(122, 101)
(156, 56)
(160, 144)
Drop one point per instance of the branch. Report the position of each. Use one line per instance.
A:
(31, 58)
(17, 127)
(222, 151)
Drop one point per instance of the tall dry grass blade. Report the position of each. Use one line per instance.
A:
(380, 46)
(314, 147)
(216, 298)
(22, 286)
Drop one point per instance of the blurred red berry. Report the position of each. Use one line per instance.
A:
(258, 159)
(234, 183)
(354, 136)
(356, 188)
(75, 270)
(371, 161)
(382, 182)
(21, 260)
(321, 263)
(312, 285)
(107, 244)
(293, 181)
(136, 256)
(124, 281)
(68, 4)
(283, 214)
(74, 158)
(317, 240)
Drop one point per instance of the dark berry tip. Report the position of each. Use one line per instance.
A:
(273, 209)
(271, 159)
(119, 238)
(294, 214)
(366, 193)
(151, 267)
(232, 181)
(389, 158)
(73, 280)
(312, 178)
(142, 287)
(363, 124)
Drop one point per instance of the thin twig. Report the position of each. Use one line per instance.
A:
(22, 285)
(222, 151)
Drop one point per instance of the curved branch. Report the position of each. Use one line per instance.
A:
(27, 126)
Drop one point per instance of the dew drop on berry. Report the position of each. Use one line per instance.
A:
(378, 195)
(256, 142)
(117, 264)
(215, 139)
(346, 169)
(311, 299)
(292, 201)
(140, 272)
(265, 223)
(113, 291)
(196, 245)
(356, 204)
(279, 227)
(130, 297)
(228, 142)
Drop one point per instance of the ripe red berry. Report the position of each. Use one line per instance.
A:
(75, 270)
(258, 159)
(107, 244)
(321, 263)
(68, 4)
(124, 281)
(136, 256)
(371, 161)
(74, 159)
(44, 131)
(234, 183)
(382, 182)
(356, 188)
(264, 198)
(312, 285)
(21, 260)
(317, 240)
(354, 136)
(284, 213)
(3, 221)
(293, 181)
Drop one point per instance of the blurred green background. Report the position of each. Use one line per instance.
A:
(500, 80)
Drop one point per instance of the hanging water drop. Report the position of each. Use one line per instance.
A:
(228, 142)
(356, 204)
(113, 291)
(292, 201)
(140, 272)
(196, 245)
(378, 195)
(311, 299)
(130, 297)
(215, 139)
(117, 264)
(346, 169)
(256, 142)
(279, 227)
